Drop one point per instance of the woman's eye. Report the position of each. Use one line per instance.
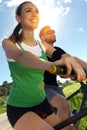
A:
(28, 10)
(37, 11)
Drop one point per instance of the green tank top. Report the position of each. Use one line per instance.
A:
(28, 86)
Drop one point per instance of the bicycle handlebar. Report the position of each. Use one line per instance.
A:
(63, 70)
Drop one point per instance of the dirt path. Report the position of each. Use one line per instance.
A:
(4, 124)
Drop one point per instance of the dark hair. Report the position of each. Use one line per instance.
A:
(16, 35)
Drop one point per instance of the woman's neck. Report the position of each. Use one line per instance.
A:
(28, 38)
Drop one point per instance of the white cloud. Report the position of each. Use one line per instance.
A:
(0, 4)
(67, 1)
(82, 30)
(63, 1)
(65, 11)
(1, 41)
(13, 2)
(85, 0)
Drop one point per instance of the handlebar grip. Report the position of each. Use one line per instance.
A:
(63, 70)
(58, 70)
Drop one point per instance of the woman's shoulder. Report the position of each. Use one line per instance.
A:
(42, 45)
(6, 40)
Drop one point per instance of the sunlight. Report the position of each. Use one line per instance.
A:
(48, 16)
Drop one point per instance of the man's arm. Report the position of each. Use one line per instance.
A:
(62, 54)
(81, 62)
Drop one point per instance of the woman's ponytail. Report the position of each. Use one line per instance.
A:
(16, 35)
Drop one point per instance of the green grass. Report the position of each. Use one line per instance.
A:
(75, 102)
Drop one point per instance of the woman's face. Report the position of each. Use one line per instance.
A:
(29, 18)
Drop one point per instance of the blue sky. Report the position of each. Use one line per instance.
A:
(67, 17)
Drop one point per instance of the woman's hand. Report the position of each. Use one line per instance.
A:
(71, 64)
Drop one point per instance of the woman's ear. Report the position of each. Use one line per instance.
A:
(18, 18)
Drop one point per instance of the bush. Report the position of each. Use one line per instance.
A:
(3, 101)
(3, 91)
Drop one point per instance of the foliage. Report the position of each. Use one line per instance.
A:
(75, 102)
(3, 101)
(5, 88)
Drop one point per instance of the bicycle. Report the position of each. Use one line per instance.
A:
(82, 112)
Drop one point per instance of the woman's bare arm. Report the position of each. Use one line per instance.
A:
(28, 59)
(24, 57)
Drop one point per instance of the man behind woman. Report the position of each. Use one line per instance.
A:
(54, 93)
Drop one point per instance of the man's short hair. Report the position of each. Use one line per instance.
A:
(43, 30)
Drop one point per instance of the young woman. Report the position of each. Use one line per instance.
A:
(27, 105)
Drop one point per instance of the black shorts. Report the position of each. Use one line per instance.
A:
(53, 90)
(43, 110)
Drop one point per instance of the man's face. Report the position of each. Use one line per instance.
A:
(49, 35)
